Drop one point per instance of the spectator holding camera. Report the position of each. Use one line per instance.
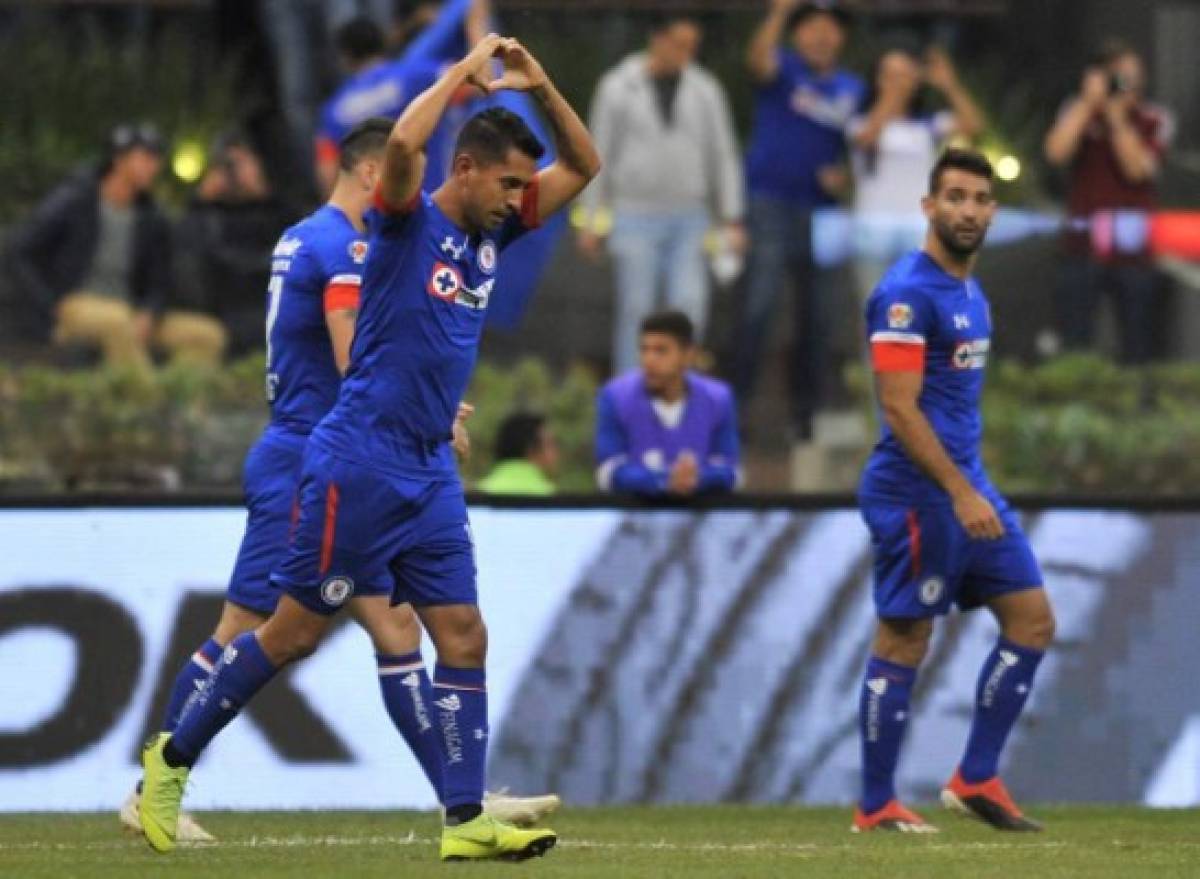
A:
(895, 141)
(1112, 142)
(794, 166)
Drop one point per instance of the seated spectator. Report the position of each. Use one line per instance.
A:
(95, 257)
(224, 242)
(894, 143)
(663, 127)
(663, 429)
(526, 457)
(1112, 141)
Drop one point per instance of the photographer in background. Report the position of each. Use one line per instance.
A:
(1111, 141)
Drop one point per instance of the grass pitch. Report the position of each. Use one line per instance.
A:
(692, 842)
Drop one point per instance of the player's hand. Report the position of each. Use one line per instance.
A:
(685, 475)
(478, 63)
(522, 72)
(460, 439)
(977, 515)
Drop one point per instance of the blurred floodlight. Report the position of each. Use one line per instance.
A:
(188, 161)
(1008, 168)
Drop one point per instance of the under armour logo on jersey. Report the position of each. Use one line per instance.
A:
(454, 250)
(962, 322)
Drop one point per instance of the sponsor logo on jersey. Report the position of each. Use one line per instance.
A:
(336, 590)
(931, 591)
(358, 251)
(445, 283)
(970, 355)
(477, 298)
(900, 316)
(487, 257)
(962, 322)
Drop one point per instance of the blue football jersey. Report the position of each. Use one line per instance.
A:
(920, 318)
(425, 296)
(316, 267)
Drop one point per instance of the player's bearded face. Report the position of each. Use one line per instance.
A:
(961, 211)
(494, 192)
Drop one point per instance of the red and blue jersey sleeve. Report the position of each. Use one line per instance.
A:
(900, 323)
(343, 263)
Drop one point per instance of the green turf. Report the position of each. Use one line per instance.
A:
(688, 842)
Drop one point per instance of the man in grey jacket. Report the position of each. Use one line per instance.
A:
(671, 165)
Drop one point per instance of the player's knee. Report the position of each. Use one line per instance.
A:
(464, 643)
(904, 642)
(284, 645)
(1035, 630)
(397, 632)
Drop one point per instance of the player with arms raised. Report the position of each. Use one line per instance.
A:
(382, 510)
(942, 535)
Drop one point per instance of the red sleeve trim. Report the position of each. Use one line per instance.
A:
(385, 207)
(341, 297)
(897, 357)
(529, 206)
(327, 151)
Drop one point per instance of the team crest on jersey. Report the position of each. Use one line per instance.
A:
(336, 590)
(445, 282)
(358, 251)
(931, 591)
(900, 316)
(487, 257)
(971, 355)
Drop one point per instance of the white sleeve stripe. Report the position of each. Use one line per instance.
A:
(604, 473)
(902, 338)
(354, 280)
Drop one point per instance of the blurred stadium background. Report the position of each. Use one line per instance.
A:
(667, 633)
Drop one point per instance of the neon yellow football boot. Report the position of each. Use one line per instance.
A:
(486, 839)
(162, 792)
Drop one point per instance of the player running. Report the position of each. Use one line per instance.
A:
(313, 298)
(382, 511)
(941, 533)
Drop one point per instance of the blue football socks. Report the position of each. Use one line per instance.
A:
(883, 716)
(1004, 684)
(242, 671)
(408, 697)
(190, 680)
(460, 702)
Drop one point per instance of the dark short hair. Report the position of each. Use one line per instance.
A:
(971, 161)
(675, 324)
(359, 39)
(129, 136)
(488, 136)
(363, 140)
(662, 21)
(519, 435)
(808, 10)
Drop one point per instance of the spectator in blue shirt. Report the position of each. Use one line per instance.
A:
(665, 430)
(794, 165)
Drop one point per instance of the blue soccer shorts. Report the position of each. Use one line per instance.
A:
(269, 480)
(925, 561)
(362, 531)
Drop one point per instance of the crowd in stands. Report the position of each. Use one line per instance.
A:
(678, 207)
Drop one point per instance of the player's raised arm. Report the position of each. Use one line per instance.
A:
(404, 165)
(578, 161)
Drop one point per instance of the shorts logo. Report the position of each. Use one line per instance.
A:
(336, 590)
(445, 282)
(931, 590)
(358, 251)
(900, 316)
(487, 257)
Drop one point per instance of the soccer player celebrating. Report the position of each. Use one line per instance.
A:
(382, 510)
(941, 533)
(313, 297)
